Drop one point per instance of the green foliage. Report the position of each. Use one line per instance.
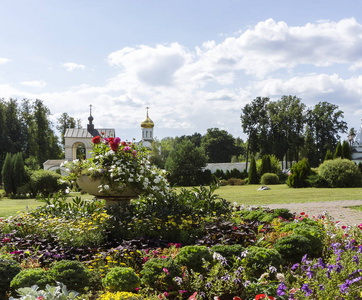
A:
(346, 150)
(317, 181)
(58, 292)
(30, 277)
(45, 182)
(7, 174)
(121, 279)
(338, 152)
(259, 259)
(314, 235)
(71, 273)
(299, 174)
(253, 175)
(293, 247)
(158, 273)
(192, 257)
(269, 178)
(340, 173)
(329, 155)
(230, 252)
(265, 166)
(219, 146)
(184, 164)
(235, 181)
(21, 176)
(8, 270)
(265, 215)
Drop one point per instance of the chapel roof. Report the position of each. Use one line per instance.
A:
(84, 133)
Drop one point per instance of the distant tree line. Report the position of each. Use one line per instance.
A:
(289, 130)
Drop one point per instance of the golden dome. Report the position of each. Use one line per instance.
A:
(148, 123)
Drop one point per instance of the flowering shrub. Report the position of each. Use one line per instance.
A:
(118, 164)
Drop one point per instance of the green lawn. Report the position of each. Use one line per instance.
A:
(245, 194)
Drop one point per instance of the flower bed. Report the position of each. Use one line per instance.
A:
(190, 245)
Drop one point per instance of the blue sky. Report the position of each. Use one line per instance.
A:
(194, 63)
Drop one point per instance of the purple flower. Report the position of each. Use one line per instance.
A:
(356, 259)
(295, 266)
(305, 288)
(309, 273)
(344, 287)
(281, 289)
(321, 287)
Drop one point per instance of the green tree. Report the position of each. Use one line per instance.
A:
(325, 122)
(265, 165)
(64, 122)
(19, 174)
(184, 163)
(219, 146)
(254, 121)
(329, 155)
(7, 173)
(309, 149)
(338, 152)
(253, 174)
(155, 155)
(346, 150)
(286, 127)
(299, 174)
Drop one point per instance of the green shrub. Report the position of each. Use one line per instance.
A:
(235, 181)
(121, 279)
(269, 178)
(158, 273)
(71, 273)
(265, 214)
(293, 247)
(223, 182)
(299, 174)
(30, 277)
(192, 257)
(259, 259)
(317, 181)
(340, 173)
(45, 182)
(314, 235)
(253, 175)
(230, 252)
(8, 270)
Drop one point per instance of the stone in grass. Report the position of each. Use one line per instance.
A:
(263, 188)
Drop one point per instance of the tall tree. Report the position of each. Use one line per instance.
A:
(219, 145)
(254, 121)
(338, 152)
(7, 174)
(346, 150)
(185, 163)
(325, 122)
(65, 121)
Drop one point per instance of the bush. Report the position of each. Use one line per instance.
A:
(317, 181)
(121, 279)
(314, 235)
(259, 259)
(340, 173)
(253, 175)
(158, 273)
(269, 178)
(235, 181)
(8, 270)
(71, 273)
(293, 247)
(58, 292)
(230, 252)
(45, 182)
(299, 174)
(192, 257)
(265, 214)
(30, 277)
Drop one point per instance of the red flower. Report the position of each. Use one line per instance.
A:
(236, 298)
(193, 296)
(263, 296)
(302, 213)
(96, 140)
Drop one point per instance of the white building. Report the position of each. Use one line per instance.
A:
(356, 146)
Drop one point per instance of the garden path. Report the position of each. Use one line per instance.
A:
(337, 209)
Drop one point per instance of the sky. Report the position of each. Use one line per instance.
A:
(194, 63)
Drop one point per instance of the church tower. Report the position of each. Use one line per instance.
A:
(147, 131)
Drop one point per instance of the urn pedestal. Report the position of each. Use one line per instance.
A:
(113, 198)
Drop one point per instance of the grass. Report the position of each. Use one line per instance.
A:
(245, 194)
(11, 207)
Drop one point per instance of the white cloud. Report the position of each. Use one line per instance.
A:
(4, 60)
(73, 66)
(34, 83)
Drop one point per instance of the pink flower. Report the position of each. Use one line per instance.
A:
(166, 294)
(166, 271)
(178, 245)
(360, 226)
(182, 291)
(117, 140)
(127, 148)
(193, 296)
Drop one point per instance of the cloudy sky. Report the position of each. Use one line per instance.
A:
(195, 63)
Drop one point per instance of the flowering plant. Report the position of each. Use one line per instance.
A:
(119, 164)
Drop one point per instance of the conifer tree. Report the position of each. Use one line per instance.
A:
(338, 152)
(253, 174)
(346, 150)
(19, 173)
(329, 155)
(7, 173)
